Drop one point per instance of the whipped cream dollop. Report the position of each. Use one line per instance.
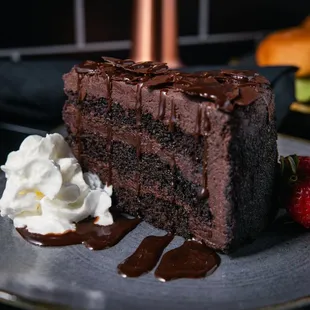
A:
(46, 190)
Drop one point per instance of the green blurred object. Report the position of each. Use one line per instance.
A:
(302, 89)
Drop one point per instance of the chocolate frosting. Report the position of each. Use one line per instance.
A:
(225, 88)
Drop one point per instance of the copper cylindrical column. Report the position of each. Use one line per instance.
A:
(143, 41)
(169, 34)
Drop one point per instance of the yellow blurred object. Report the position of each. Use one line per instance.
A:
(287, 47)
(300, 107)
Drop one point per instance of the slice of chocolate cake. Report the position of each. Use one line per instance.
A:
(194, 154)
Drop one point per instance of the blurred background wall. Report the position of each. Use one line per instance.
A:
(41, 40)
(211, 31)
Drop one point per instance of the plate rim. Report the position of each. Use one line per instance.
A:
(15, 300)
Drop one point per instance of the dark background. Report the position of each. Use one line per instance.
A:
(43, 23)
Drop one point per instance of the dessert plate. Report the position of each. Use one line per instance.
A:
(273, 272)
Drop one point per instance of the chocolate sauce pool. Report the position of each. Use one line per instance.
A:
(146, 256)
(93, 236)
(191, 260)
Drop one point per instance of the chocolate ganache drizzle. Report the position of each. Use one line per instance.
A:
(223, 88)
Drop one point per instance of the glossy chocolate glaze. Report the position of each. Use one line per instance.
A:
(225, 88)
(145, 257)
(207, 127)
(93, 236)
(109, 152)
(191, 260)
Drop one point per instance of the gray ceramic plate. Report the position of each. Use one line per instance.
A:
(273, 271)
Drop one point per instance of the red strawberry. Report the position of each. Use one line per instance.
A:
(303, 165)
(296, 172)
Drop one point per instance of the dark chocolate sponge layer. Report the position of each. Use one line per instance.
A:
(151, 171)
(160, 213)
(176, 140)
(216, 129)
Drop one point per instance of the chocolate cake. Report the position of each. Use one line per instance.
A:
(193, 154)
